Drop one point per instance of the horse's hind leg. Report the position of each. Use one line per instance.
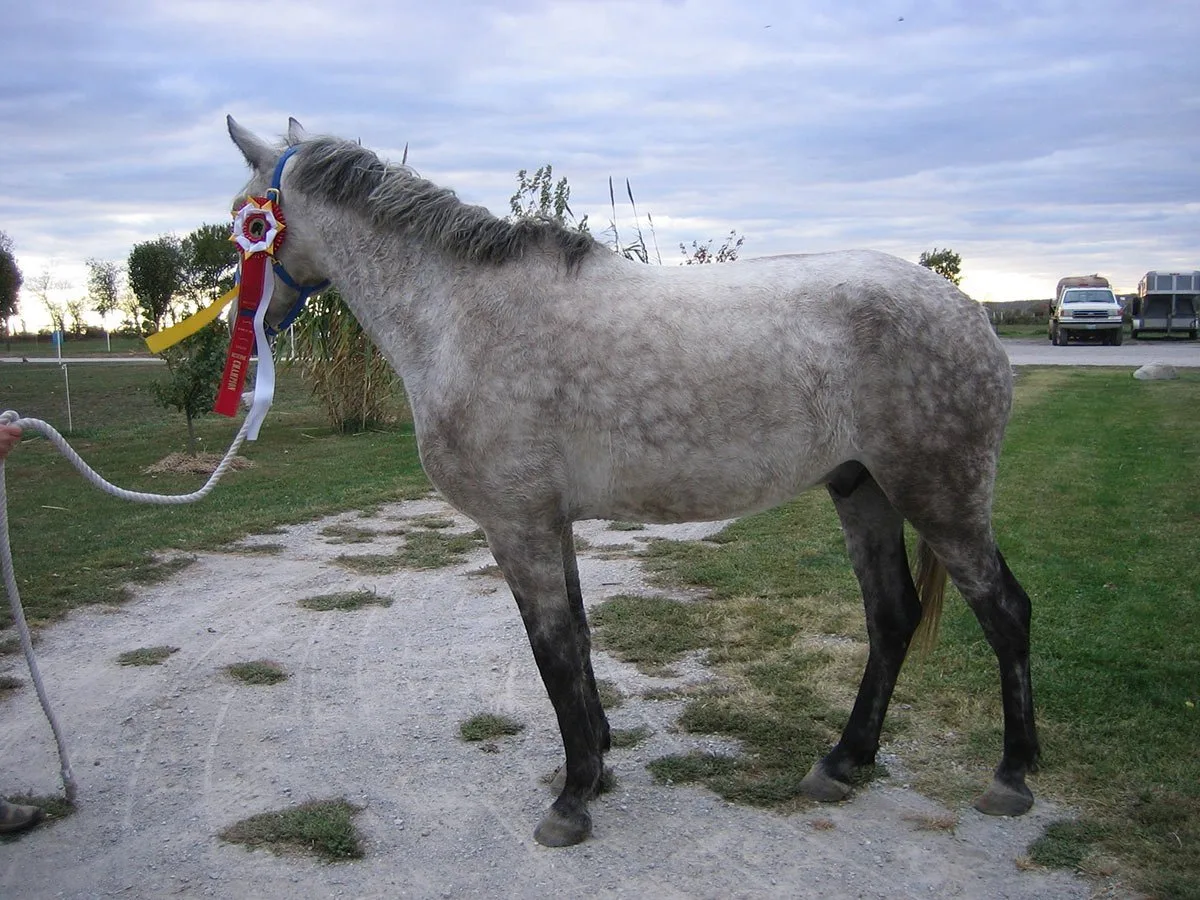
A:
(583, 639)
(532, 559)
(1002, 607)
(874, 532)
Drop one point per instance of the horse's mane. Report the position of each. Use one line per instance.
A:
(343, 173)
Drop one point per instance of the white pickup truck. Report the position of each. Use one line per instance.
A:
(1085, 307)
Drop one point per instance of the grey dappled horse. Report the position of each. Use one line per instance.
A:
(552, 380)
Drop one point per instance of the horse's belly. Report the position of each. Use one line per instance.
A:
(699, 489)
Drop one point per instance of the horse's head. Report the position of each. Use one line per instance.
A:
(297, 273)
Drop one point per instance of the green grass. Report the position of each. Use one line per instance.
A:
(487, 726)
(146, 656)
(39, 346)
(1098, 513)
(344, 600)
(420, 550)
(345, 533)
(74, 545)
(322, 828)
(627, 738)
(617, 525)
(259, 671)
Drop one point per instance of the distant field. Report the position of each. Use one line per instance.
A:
(41, 346)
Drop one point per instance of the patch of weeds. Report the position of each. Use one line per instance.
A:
(146, 656)
(430, 550)
(259, 671)
(582, 544)
(690, 768)
(421, 550)
(486, 726)
(627, 738)
(257, 549)
(345, 600)
(428, 520)
(345, 533)
(11, 645)
(947, 821)
(159, 570)
(721, 537)
(650, 632)
(823, 824)
(1066, 844)
(626, 526)
(610, 695)
(9, 683)
(665, 693)
(323, 828)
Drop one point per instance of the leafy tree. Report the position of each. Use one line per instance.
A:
(209, 262)
(946, 263)
(156, 271)
(10, 280)
(41, 286)
(194, 368)
(104, 286)
(75, 309)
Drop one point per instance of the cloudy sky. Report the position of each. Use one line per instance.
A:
(1037, 139)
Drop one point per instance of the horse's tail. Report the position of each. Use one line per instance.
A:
(931, 589)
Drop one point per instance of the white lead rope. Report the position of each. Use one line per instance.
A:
(6, 561)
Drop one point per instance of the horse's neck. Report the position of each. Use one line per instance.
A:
(398, 290)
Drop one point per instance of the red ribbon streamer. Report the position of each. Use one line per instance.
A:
(241, 344)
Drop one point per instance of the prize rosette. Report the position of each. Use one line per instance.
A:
(258, 230)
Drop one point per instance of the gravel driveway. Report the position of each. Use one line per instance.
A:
(166, 756)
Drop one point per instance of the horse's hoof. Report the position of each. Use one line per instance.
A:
(819, 786)
(1004, 800)
(558, 830)
(608, 781)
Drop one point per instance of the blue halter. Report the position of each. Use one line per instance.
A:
(303, 291)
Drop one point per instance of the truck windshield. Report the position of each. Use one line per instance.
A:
(1077, 296)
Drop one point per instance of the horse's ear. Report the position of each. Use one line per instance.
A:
(296, 133)
(259, 154)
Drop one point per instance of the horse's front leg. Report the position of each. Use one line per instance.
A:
(533, 564)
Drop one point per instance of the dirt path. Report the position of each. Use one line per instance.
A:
(166, 756)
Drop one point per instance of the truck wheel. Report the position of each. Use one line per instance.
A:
(1118, 337)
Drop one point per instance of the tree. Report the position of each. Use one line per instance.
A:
(194, 368)
(41, 286)
(209, 262)
(946, 263)
(104, 286)
(155, 276)
(10, 281)
(75, 309)
(104, 290)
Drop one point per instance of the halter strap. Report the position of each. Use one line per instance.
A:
(303, 291)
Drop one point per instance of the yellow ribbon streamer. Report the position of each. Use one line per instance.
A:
(168, 337)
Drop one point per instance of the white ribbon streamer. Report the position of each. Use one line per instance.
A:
(264, 375)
